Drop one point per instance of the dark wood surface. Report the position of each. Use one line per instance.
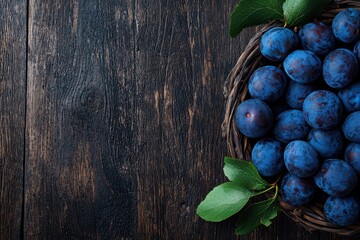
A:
(110, 119)
(13, 27)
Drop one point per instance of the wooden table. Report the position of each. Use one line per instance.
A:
(110, 119)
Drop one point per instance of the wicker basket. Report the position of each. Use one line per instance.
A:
(236, 91)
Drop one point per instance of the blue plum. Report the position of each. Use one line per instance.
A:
(346, 25)
(336, 177)
(350, 97)
(297, 92)
(277, 43)
(301, 158)
(352, 156)
(254, 118)
(322, 109)
(267, 83)
(356, 50)
(328, 143)
(303, 66)
(342, 211)
(351, 127)
(317, 37)
(268, 157)
(297, 191)
(290, 125)
(340, 68)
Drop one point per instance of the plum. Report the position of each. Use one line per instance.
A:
(301, 158)
(290, 125)
(336, 177)
(253, 118)
(350, 97)
(356, 50)
(267, 83)
(267, 156)
(277, 43)
(303, 66)
(346, 25)
(340, 68)
(297, 191)
(317, 37)
(342, 211)
(322, 109)
(328, 143)
(297, 92)
(352, 156)
(351, 127)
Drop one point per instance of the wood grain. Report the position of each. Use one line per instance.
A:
(182, 59)
(12, 115)
(79, 139)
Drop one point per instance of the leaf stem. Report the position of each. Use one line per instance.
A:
(276, 192)
(272, 186)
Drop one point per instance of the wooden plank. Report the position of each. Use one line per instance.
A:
(183, 57)
(12, 115)
(79, 182)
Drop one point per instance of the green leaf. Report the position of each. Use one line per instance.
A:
(245, 173)
(299, 12)
(257, 214)
(224, 201)
(249, 13)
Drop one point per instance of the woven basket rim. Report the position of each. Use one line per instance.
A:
(235, 91)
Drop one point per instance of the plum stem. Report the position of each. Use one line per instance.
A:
(277, 180)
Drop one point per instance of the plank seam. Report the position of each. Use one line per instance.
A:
(22, 226)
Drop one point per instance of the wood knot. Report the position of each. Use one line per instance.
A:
(92, 99)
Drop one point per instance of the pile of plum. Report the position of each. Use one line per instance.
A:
(304, 114)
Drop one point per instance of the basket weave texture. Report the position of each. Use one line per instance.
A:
(236, 91)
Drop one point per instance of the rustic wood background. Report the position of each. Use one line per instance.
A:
(110, 119)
